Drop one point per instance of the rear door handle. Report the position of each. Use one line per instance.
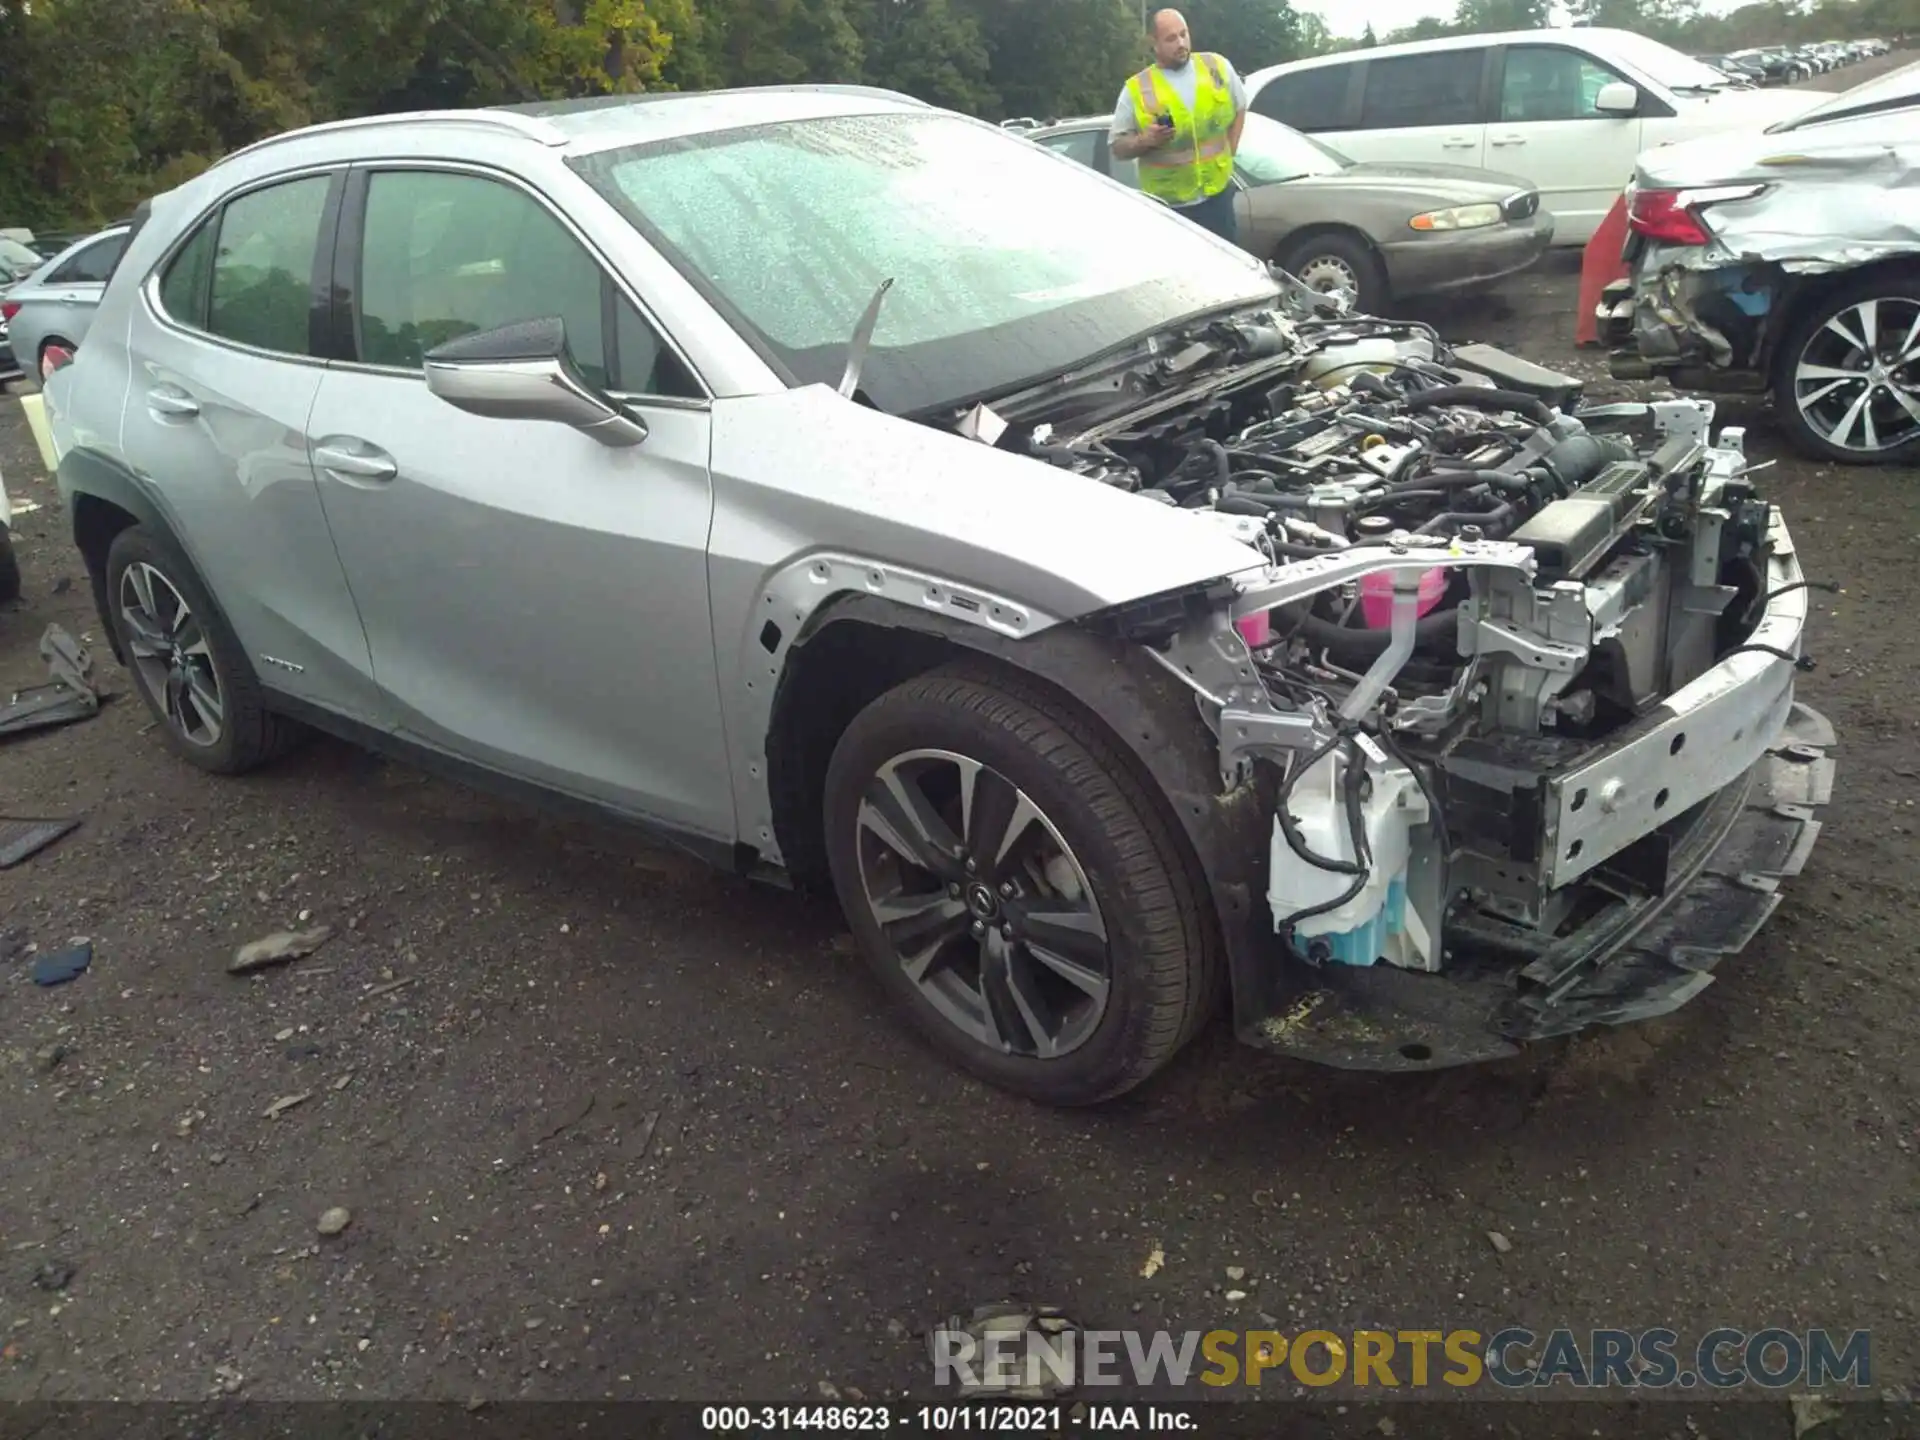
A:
(1457, 143)
(1509, 140)
(172, 400)
(354, 459)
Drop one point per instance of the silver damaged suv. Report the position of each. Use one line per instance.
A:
(862, 496)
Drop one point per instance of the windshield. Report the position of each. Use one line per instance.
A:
(1007, 265)
(17, 260)
(1665, 64)
(1270, 151)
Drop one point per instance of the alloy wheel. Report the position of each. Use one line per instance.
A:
(983, 905)
(1857, 379)
(170, 648)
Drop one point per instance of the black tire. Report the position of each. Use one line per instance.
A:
(1162, 954)
(1330, 250)
(249, 735)
(1900, 445)
(9, 569)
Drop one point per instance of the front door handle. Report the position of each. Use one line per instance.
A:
(361, 462)
(1509, 140)
(1456, 144)
(172, 400)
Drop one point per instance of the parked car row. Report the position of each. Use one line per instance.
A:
(1790, 64)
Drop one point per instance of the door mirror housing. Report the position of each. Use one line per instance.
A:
(1617, 97)
(525, 372)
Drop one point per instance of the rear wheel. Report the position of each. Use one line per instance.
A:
(1332, 262)
(1016, 889)
(186, 663)
(1846, 378)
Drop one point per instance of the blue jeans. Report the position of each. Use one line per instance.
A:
(1215, 213)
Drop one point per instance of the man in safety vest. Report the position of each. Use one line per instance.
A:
(1181, 118)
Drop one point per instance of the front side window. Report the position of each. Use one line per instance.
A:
(1545, 82)
(93, 265)
(1005, 266)
(446, 255)
(1308, 100)
(1438, 88)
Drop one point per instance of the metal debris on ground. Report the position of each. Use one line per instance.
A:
(998, 1326)
(285, 1103)
(21, 838)
(59, 966)
(278, 949)
(67, 697)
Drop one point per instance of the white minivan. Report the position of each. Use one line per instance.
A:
(1566, 109)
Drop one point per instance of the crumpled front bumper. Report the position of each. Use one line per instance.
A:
(1743, 769)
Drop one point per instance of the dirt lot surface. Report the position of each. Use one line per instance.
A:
(609, 1125)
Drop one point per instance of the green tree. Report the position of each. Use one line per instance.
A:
(1059, 57)
(1477, 16)
(1250, 33)
(1368, 40)
(931, 49)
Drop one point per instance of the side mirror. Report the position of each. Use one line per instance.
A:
(524, 372)
(1617, 97)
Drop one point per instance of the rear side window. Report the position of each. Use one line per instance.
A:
(246, 275)
(93, 265)
(1441, 88)
(1308, 100)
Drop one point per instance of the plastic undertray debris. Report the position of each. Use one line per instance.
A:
(67, 697)
(22, 839)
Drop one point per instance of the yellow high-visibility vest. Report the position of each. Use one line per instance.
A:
(1196, 163)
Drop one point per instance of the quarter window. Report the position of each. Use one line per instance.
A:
(1308, 100)
(1545, 82)
(446, 255)
(1438, 88)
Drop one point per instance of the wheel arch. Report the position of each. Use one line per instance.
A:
(863, 645)
(1294, 239)
(104, 500)
(1803, 293)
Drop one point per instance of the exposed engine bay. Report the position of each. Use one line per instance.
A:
(1513, 666)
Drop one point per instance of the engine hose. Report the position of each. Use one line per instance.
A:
(1436, 479)
(1367, 644)
(1485, 519)
(1222, 465)
(1480, 397)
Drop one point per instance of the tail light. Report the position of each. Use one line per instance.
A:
(1672, 217)
(9, 309)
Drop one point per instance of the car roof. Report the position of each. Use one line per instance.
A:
(1599, 38)
(599, 122)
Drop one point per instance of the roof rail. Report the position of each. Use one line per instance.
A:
(526, 126)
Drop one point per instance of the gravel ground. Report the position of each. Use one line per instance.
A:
(611, 1126)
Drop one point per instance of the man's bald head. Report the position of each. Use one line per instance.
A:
(1172, 45)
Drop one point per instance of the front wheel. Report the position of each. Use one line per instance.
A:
(1331, 263)
(1846, 379)
(1016, 888)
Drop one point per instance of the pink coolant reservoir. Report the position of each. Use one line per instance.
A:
(1376, 595)
(1256, 630)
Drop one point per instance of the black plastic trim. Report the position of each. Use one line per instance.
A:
(726, 856)
(346, 289)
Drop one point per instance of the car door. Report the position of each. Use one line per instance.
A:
(536, 602)
(1424, 108)
(1548, 129)
(224, 344)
